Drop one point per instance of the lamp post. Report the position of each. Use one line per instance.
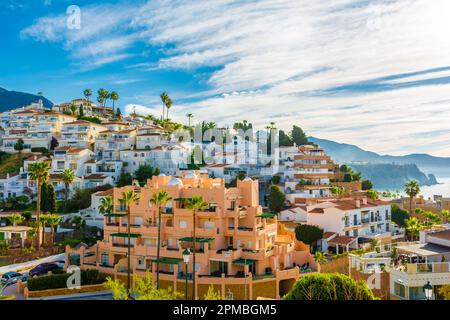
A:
(428, 289)
(186, 257)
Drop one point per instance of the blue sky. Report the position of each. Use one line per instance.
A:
(371, 73)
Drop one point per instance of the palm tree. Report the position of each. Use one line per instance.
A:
(73, 109)
(164, 98)
(67, 177)
(189, 115)
(413, 226)
(106, 206)
(337, 191)
(87, 94)
(52, 221)
(38, 171)
(195, 204)
(102, 95)
(320, 256)
(129, 198)
(114, 97)
(159, 199)
(44, 221)
(412, 189)
(169, 103)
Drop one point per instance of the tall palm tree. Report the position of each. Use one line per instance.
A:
(87, 94)
(159, 199)
(169, 103)
(114, 97)
(44, 222)
(67, 177)
(73, 109)
(413, 226)
(38, 171)
(106, 206)
(189, 115)
(102, 96)
(52, 221)
(164, 98)
(412, 189)
(195, 204)
(129, 198)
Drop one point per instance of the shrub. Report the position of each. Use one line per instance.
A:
(42, 150)
(308, 234)
(329, 286)
(59, 280)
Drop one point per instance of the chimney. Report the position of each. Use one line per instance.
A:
(358, 203)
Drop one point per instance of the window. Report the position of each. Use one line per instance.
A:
(399, 289)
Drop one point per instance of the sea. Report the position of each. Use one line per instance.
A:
(443, 188)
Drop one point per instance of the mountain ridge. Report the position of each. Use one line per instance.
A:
(348, 153)
(17, 99)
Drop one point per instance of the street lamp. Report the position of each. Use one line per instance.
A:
(186, 257)
(428, 289)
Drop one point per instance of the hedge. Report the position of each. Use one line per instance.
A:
(59, 281)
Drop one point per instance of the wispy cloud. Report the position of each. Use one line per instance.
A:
(288, 59)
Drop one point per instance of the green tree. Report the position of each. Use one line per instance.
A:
(48, 203)
(53, 221)
(337, 191)
(319, 256)
(159, 199)
(87, 94)
(165, 100)
(39, 171)
(329, 286)
(156, 172)
(114, 97)
(143, 173)
(16, 218)
(308, 234)
(445, 291)
(102, 96)
(67, 177)
(80, 111)
(398, 215)
(276, 199)
(129, 198)
(299, 136)
(367, 185)
(412, 189)
(125, 179)
(284, 139)
(195, 204)
(189, 116)
(73, 109)
(106, 206)
(118, 114)
(446, 215)
(372, 194)
(19, 146)
(143, 289)
(413, 226)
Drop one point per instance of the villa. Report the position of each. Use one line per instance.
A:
(80, 134)
(238, 246)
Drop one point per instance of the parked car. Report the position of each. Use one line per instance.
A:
(12, 277)
(60, 263)
(43, 269)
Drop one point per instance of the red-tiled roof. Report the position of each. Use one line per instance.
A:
(95, 176)
(105, 193)
(342, 240)
(445, 234)
(327, 235)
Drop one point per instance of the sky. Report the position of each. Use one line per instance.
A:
(371, 73)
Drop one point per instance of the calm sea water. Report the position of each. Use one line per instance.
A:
(443, 188)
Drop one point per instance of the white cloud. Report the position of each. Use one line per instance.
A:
(275, 56)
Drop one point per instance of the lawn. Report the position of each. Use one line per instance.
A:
(11, 163)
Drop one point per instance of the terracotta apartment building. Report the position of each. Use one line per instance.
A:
(239, 248)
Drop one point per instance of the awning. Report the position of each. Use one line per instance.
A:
(267, 215)
(165, 260)
(244, 262)
(116, 215)
(125, 235)
(199, 240)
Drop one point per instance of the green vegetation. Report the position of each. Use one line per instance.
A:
(143, 290)
(244, 125)
(125, 179)
(11, 163)
(398, 216)
(372, 194)
(366, 184)
(276, 199)
(412, 189)
(143, 173)
(48, 198)
(90, 119)
(15, 203)
(329, 286)
(296, 135)
(81, 199)
(58, 281)
(19, 146)
(308, 234)
(349, 174)
(212, 294)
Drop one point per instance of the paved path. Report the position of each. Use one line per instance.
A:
(11, 290)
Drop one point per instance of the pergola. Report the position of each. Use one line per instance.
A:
(10, 232)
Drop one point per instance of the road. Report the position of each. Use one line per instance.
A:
(24, 269)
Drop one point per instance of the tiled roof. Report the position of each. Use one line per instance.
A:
(445, 234)
(342, 240)
(327, 235)
(108, 192)
(91, 161)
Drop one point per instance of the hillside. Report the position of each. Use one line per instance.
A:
(393, 176)
(347, 153)
(15, 99)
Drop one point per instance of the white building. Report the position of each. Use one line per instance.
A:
(80, 134)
